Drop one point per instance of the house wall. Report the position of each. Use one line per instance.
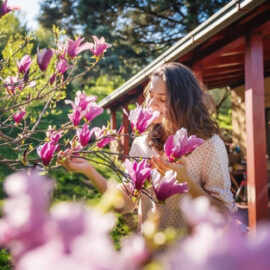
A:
(238, 113)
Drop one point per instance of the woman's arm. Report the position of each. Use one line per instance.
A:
(80, 165)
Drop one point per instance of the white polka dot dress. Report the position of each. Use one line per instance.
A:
(207, 165)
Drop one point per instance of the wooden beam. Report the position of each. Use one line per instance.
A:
(113, 119)
(125, 137)
(255, 130)
(225, 59)
(213, 72)
(219, 77)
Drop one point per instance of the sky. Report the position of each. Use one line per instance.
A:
(31, 10)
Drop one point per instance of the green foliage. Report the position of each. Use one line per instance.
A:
(72, 186)
(120, 231)
(9, 25)
(4, 260)
(224, 117)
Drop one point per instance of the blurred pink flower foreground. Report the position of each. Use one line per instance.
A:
(68, 237)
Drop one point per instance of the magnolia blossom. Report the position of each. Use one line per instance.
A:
(166, 186)
(76, 116)
(83, 105)
(199, 210)
(62, 66)
(52, 78)
(134, 252)
(81, 100)
(61, 50)
(12, 83)
(180, 144)
(92, 111)
(138, 172)
(18, 116)
(43, 58)
(140, 118)
(99, 46)
(24, 64)
(104, 136)
(54, 135)
(46, 152)
(84, 134)
(4, 9)
(75, 47)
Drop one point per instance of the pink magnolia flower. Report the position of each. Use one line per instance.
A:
(104, 136)
(62, 66)
(43, 58)
(138, 172)
(5, 9)
(84, 134)
(46, 152)
(76, 116)
(210, 247)
(180, 144)
(75, 47)
(199, 210)
(24, 64)
(52, 78)
(82, 101)
(166, 186)
(99, 46)
(92, 111)
(69, 222)
(18, 116)
(12, 84)
(140, 118)
(134, 252)
(61, 50)
(53, 135)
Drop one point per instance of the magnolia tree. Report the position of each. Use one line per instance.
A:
(40, 82)
(73, 236)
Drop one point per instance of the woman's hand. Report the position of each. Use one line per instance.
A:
(163, 165)
(75, 164)
(79, 164)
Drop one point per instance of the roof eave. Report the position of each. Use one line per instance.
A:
(224, 17)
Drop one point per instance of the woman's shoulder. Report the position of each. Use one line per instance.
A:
(216, 141)
(140, 139)
(140, 147)
(213, 144)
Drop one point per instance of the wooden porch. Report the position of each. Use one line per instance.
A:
(231, 48)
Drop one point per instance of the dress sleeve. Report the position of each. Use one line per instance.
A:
(135, 149)
(215, 173)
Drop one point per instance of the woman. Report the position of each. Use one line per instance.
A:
(177, 95)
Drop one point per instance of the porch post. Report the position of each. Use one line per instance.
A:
(125, 138)
(255, 129)
(113, 119)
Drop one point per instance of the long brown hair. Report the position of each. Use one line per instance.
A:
(185, 105)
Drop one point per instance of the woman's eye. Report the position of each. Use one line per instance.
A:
(162, 100)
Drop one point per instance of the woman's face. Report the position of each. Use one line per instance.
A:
(157, 93)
